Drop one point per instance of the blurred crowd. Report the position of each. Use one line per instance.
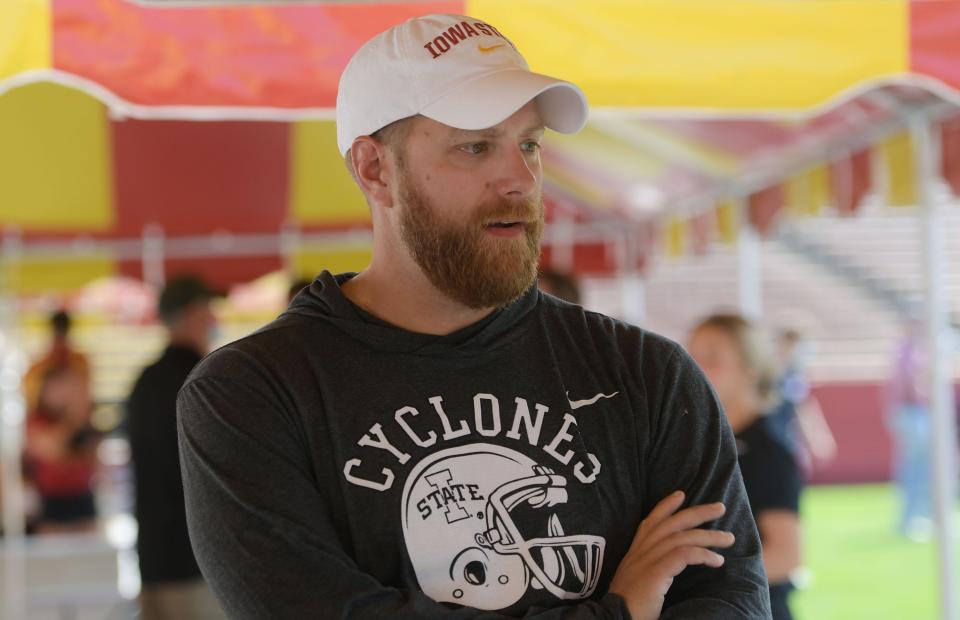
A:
(781, 433)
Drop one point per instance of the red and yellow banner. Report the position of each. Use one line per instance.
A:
(272, 55)
(80, 78)
(696, 54)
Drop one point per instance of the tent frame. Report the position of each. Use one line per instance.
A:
(940, 386)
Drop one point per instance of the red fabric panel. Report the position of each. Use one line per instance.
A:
(197, 178)
(950, 140)
(765, 206)
(855, 412)
(742, 138)
(701, 230)
(934, 42)
(862, 176)
(599, 259)
(560, 207)
(850, 180)
(588, 259)
(287, 56)
(643, 239)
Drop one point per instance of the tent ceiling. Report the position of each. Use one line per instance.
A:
(743, 95)
(643, 166)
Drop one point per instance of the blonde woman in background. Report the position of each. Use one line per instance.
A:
(735, 357)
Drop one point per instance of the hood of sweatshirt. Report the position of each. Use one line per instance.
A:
(324, 300)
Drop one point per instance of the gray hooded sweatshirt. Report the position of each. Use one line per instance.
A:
(336, 466)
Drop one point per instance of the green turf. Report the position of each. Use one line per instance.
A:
(859, 568)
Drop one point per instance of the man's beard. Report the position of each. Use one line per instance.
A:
(461, 259)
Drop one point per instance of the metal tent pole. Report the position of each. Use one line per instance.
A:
(12, 418)
(944, 441)
(564, 240)
(633, 292)
(631, 283)
(153, 255)
(749, 268)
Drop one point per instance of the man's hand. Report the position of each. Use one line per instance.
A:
(666, 542)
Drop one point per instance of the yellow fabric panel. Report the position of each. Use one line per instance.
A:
(797, 192)
(576, 185)
(59, 274)
(744, 54)
(308, 262)
(25, 36)
(728, 221)
(896, 153)
(613, 156)
(55, 160)
(321, 190)
(691, 152)
(807, 192)
(818, 178)
(676, 237)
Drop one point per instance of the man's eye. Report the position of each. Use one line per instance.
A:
(531, 145)
(474, 148)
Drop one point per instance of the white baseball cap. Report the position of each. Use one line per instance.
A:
(454, 69)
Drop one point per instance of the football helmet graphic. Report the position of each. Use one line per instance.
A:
(462, 509)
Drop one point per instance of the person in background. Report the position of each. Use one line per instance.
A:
(60, 454)
(60, 450)
(798, 419)
(59, 354)
(559, 284)
(909, 423)
(172, 584)
(295, 287)
(732, 353)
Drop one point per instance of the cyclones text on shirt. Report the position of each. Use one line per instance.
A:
(488, 421)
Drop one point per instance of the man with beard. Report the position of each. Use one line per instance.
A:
(433, 437)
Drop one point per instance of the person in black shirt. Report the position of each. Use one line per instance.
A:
(172, 586)
(735, 358)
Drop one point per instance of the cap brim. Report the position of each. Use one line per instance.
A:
(490, 99)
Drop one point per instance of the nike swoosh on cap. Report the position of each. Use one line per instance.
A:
(487, 50)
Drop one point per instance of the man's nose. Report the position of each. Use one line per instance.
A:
(519, 173)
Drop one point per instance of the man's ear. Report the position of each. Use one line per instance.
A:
(371, 170)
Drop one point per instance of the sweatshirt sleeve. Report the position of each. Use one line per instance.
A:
(262, 533)
(694, 450)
